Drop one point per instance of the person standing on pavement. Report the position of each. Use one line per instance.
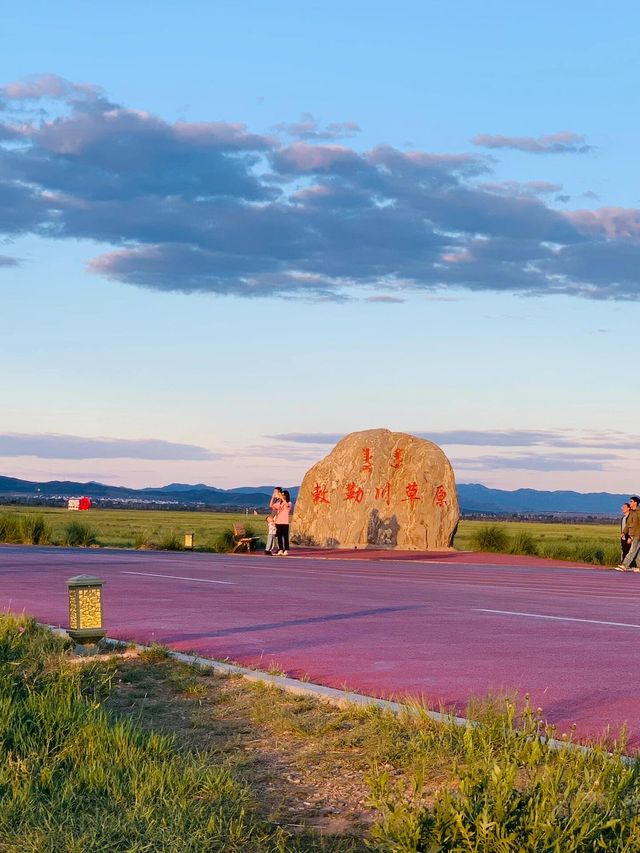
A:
(631, 529)
(280, 503)
(271, 534)
(625, 539)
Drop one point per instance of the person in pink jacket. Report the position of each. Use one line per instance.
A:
(280, 503)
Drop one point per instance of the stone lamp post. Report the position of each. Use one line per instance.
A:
(85, 610)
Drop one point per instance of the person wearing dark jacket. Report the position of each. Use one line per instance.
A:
(631, 529)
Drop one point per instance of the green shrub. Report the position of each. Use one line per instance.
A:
(171, 542)
(611, 555)
(155, 653)
(524, 543)
(34, 530)
(554, 551)
(10, 528)
(587, 552)
(491, 537)
(143, 540)
(79, 533)
(225, 542)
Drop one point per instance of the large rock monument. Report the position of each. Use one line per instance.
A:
(376, 489)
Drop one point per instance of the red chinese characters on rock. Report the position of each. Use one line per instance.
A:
(368, 460)
(384, 493)
(397, 458)
(354, 493)
(411, 491)
(440, 497)
(319, 494)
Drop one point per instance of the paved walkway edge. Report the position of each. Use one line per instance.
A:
(292, 685)
(341, 698)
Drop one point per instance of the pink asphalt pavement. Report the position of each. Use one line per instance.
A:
(444, 628)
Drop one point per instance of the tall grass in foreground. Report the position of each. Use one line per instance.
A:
(73, 780)
(510, 791)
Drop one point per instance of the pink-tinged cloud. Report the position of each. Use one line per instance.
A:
(564, 142)
(303, 157)
(421, 161)
(83, 130)
(218, 133)
(384, 299)
(616, 223)
(212, 207)
(48, 86)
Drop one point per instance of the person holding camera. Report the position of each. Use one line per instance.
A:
(280, 503)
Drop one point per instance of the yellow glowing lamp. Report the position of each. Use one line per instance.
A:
(85, 609)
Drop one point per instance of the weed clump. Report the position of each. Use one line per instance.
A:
(34, 530)
(225, 542)
(155, 653)
(171, 542)
(491, 537)
(79, 534)
(524, 543)
(142, 540)
(10, 528)
(24, 529)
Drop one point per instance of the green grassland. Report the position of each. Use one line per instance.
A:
(549, 538)
(136, 753)
(126, 528)
(129, 528)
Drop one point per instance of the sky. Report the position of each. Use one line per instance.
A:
(233, 232)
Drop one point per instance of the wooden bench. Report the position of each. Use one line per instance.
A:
(241, 540)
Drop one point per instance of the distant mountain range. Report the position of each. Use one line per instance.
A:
(175, 493)
(473, 497)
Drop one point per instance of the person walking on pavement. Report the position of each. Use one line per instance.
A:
(631, 529)
(625, 539)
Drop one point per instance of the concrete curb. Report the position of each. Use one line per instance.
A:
(340, 698)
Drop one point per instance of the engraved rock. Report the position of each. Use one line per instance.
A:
(379, 489)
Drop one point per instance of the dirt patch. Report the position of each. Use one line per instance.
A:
(298, 756)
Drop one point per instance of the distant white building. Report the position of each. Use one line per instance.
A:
(79, 503)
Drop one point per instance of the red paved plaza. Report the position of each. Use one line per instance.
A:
(444, 628)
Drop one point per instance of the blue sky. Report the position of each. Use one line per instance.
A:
(232, 232)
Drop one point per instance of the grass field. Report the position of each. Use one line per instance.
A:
(136, 753)
(549, 537)
(123, 528)
(127, 528)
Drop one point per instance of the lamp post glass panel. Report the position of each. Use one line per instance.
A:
(85, 609)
